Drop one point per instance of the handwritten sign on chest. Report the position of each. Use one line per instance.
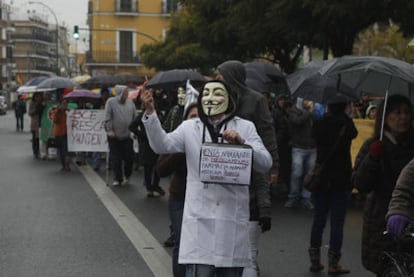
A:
(86, 131)
(226, 163)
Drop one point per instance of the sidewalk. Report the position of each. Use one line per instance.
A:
(52, 223)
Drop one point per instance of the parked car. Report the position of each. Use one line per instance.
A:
(3, 105)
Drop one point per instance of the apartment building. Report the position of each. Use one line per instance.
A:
(118, 29)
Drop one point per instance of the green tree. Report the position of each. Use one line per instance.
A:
(207, 32)
(216, 31)
(385, 41)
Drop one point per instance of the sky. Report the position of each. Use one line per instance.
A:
(68, 13)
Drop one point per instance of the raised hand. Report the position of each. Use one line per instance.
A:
(148, 100)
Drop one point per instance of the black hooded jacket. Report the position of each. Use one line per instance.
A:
(252, 106)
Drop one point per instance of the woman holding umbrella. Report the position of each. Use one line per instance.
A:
(377, 167)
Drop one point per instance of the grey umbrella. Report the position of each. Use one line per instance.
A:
(31, 85)
(104, 80)
(372, 74)
(309, 84)
(35, 81)
(125, 78)
(56, 83)
(174, 78)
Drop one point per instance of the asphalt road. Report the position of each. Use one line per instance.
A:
(55, 223)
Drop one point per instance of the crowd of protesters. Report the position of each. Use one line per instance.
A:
(288, 137)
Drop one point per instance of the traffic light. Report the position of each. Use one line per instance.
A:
(76, 32)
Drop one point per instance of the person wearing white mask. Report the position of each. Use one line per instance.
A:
(215, 235)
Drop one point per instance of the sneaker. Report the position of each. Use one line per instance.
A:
(125, 182)
(159, 190)
(170, 242)
(115, 184)
(291, 203)
(307, 204)
(150, 194)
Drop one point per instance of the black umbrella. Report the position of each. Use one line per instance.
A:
(373, 74)
(265, 77)
(104, 80)
(259, 82)
(377, 75)
(174, 78)
(125, 78)
(266, 69)
(309, 84)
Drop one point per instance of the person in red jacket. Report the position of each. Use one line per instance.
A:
(60, 132)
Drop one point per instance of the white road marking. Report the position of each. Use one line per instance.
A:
(154, 255)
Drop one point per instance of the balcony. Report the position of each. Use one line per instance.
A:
(40, 37)
(45, 68)
(112, 57)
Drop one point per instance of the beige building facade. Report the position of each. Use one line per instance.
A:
(119, 28)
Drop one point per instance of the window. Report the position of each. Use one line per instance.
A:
(127, 6)
(169, 6)
(126, 47)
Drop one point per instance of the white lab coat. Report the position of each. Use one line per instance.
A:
(215, 220)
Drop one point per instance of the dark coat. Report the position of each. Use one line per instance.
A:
(377, 179)
(253, 106)
(19, 107)
(300, 125)
(402, 200)
(146, 154)
(337, 171)
(174, 165)
(173, 118)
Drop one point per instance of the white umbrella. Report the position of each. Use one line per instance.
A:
(26, 89)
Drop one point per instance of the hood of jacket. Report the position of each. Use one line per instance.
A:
(234, 74)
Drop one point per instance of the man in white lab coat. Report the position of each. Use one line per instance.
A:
(214, 236)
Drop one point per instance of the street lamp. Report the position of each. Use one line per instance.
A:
(57, 32)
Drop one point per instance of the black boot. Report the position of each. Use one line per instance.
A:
(334, 268)
(315, 259)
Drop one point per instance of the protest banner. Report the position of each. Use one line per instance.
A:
(47, 125)
(86, 132)
(226, 163)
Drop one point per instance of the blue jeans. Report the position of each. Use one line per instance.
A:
(96, 158)
(151, 178)
(175, 211)
(203, 270)
(121, 151)
(62, 148)
(335, 202)
(303, 161)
